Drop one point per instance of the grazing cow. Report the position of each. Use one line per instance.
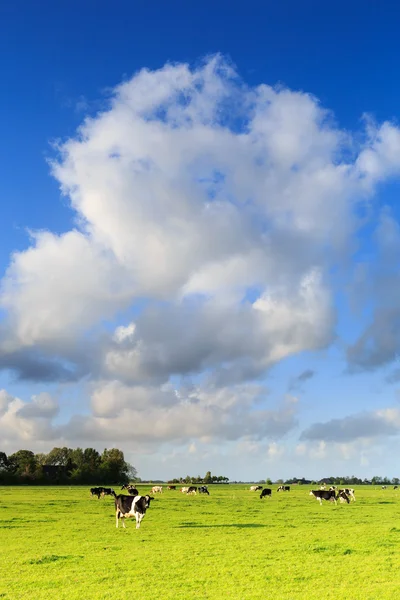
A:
(323, 495)
(192, 490)
(131, 506)
(350, 493)
(333, 487)
(343, 497)
(323, 487)
(283, 488)
(384, 487)
(203, 489)
(395, 487)
(171, 487)
(96, 491)
(106, 492)
(157, 489)
(256, 488)
(266, 492)
(131, 489)
(184, 490)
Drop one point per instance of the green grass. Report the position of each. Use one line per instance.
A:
(61, 543)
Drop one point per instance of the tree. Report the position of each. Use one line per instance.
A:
(268, 481)
(113, 466)
(4, 462)
(60, 457)
(41, 458)
(131, 472)
(207, 478)
(23, 463)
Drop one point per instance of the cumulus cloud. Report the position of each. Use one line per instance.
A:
(27, 423)
(172, 415)
(379, 342)
(380, 423)
(209, 217)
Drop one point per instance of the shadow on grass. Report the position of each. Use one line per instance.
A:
(238, 525)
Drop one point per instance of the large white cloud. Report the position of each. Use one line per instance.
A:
(209, 218)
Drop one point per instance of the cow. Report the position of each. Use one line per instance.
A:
(323, 487)
(184, 490)
(96, 491)
(283, 488)
(203, 489)
(332, 488)
(266, 492)
(157, 489)
(131, 506)
(323, 495)
(171, 487)
(384, 487)
(106, 492)
(131, 489)
(192, 490)
(343, 497)
(349, 492)
(256, 488)
(395, 487)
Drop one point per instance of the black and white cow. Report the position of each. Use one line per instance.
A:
(203, 489)
(349, 492)
(266, 492)
(329, 495)
(384, 487)
(106, 492)
(283, 488)
(192, 490)
(96, 491)
(343, 497)
(131, 489)
(256, 488)
(131, 506)
(395, 487)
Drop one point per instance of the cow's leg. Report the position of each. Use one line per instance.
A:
(116, 518)
(320, 501)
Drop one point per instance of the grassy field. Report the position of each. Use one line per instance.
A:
(61, 543)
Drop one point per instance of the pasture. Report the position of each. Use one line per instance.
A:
(59, 542)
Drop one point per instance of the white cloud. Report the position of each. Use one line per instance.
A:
(26, 423)
(209, 218)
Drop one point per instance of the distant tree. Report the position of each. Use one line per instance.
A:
(41, 458)
(92, 459)
(113, 466)
(268, 481)
(131, 472)
(23, 463)
(4, 462)
(207, 477)
(61, 457)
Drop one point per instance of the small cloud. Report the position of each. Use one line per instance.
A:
(295, 382)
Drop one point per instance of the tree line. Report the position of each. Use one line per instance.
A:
(207, 479)
(66, 466)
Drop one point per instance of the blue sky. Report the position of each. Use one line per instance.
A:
(186, 287)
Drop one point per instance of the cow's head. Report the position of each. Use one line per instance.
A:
(148, 498)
